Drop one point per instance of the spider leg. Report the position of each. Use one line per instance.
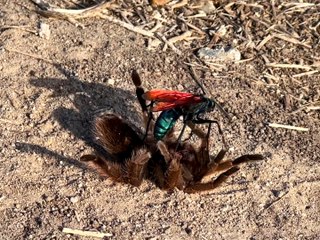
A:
(173, 174)
(115, 135)
(136, 165)
(201, 187)
(103, 167)
(243, 159)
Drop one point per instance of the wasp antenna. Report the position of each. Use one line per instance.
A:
(196, 79)
(136, 78)
(222, 110)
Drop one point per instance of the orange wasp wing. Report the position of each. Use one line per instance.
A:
(168, 99)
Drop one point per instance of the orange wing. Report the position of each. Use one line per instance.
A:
(168, 99)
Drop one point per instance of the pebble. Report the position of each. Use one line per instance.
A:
(74, 199)
(222, 54)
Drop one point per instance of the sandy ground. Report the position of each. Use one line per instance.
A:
(49, 100)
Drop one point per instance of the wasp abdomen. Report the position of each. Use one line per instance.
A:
(165, 122)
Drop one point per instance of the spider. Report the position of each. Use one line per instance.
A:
(131, 158)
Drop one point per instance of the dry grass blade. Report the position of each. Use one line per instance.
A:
(23, 28)
(264, 41)
(284, 65)
(275, 125)
(86, 233)
(93, 11)
(183, 36)
(314, 108)
(169, 43)
(291, 40)
(75, 13)
(31, 55)
(129, 26)
(298, 7)
(305, 73)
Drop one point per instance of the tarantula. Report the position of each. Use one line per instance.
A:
(130, 158)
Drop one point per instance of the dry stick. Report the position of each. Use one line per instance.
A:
(23, 28)
(284, 65)
(183, 36)
(305, 73)
(275, 125)
(161, 37)
(272, 203)
(95, 10)
(192, 26)
(264, 41)
(76, 13)
(313, 108)
(128, 26)
(308, 106)
(291, 40)
(86, 233)
(31, 55)
(179, 4)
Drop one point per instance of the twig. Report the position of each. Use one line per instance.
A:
(305, 73)
(128, 26)
(163, 38)
(86, 233)
(96, 10)
(31, 55)
(291, 40)
(284, 65)
(23, 28)
(264, 41)
(183, 36)
(275, 125)
(308, 106)
(314, 108)
(267, 206)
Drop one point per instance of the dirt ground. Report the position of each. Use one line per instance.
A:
(51, 89)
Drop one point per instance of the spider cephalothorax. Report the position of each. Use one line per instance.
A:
(133, 158)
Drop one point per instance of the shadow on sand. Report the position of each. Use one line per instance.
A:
(88, 99)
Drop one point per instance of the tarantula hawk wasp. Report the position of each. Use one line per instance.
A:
(174, 104)
(160, 161)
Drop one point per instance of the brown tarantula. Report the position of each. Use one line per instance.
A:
(131, 159)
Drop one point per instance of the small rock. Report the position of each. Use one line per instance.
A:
(208, 7)
(44, 30)
(111, 81)
(74, 199)
(219, 54)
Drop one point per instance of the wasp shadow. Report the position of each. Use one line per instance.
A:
(87, 99)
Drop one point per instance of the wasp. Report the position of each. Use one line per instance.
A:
(175, 104)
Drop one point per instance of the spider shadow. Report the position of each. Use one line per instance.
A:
(88, 99)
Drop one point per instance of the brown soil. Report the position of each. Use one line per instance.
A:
(47, 111)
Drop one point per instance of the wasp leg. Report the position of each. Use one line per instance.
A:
(197, 131)
(180, 135)
(201, 187)
(202, 121)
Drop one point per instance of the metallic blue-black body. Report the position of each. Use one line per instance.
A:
(167, 119)
(165, 122)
